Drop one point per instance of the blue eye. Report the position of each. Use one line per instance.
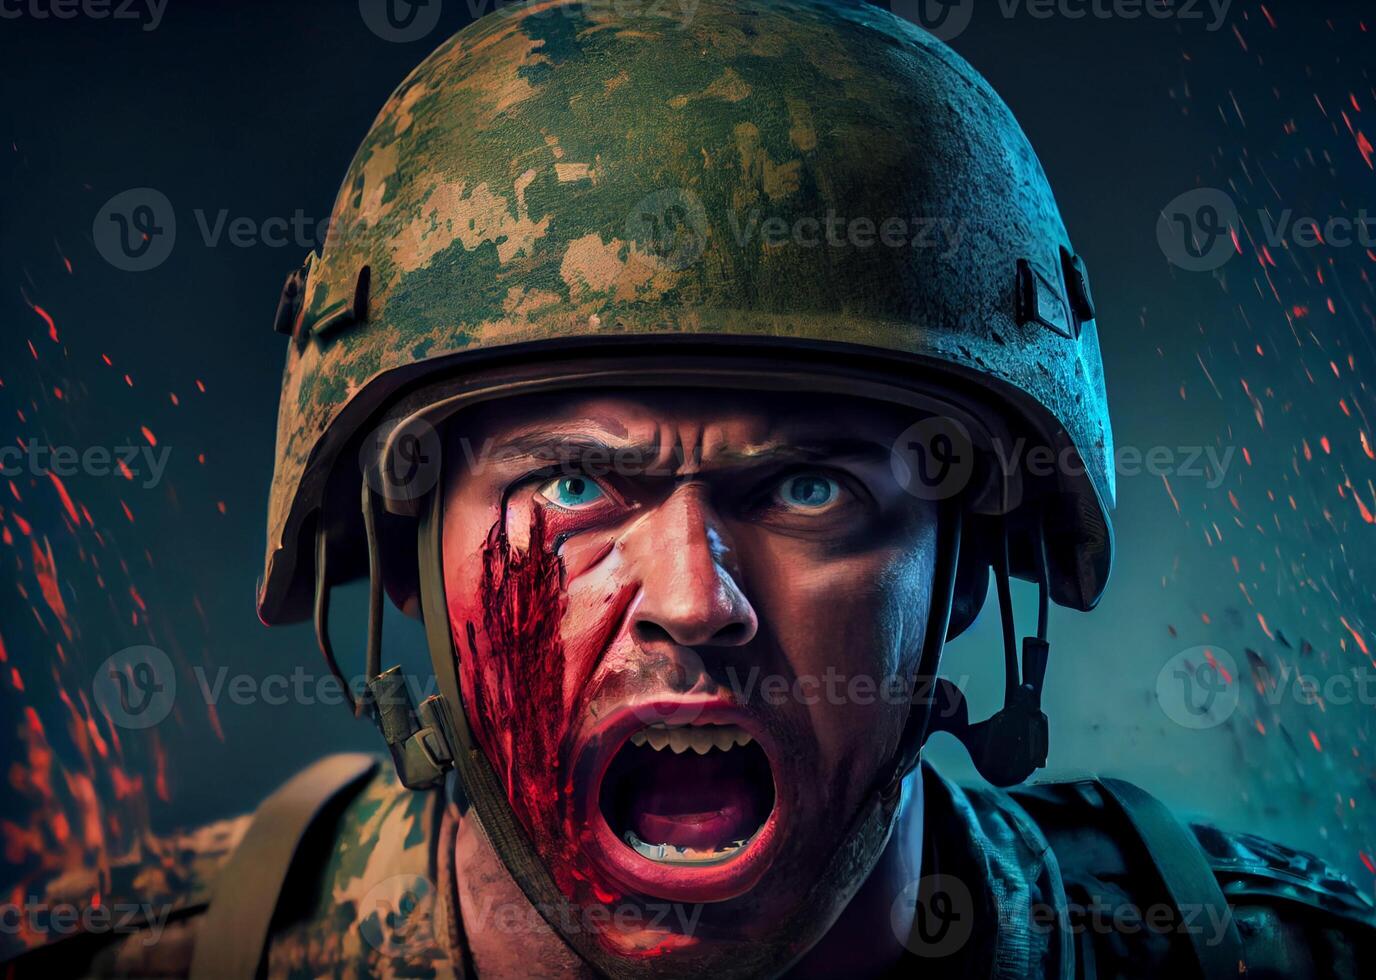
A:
(809, 491)
(572, 491)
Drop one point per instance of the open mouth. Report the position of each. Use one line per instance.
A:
(688, 794)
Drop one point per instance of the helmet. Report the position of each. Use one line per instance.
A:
(795, 194)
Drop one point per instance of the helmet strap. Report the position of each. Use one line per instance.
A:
(950, 519)
(1012, 744)
(323, 585)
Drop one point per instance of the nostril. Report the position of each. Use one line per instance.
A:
(732, 635)
(648, 631)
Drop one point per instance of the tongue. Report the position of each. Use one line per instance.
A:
(690, 800)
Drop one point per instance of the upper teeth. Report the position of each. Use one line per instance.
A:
(700, 738)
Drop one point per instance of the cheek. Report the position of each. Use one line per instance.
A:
(850, 631)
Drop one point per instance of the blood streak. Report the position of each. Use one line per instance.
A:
(513, 680)
(515, 684)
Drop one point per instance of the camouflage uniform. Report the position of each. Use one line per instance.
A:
(371, 893)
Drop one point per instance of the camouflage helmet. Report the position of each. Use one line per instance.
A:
(810, 178)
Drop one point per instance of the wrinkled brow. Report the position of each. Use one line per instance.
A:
(567, 448)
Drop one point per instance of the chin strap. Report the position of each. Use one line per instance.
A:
(1011, 745)
(418, 737)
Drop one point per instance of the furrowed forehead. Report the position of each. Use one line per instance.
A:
(683, 430)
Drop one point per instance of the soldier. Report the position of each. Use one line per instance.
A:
(678, 353)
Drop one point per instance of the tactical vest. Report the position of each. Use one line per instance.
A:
(344, 872)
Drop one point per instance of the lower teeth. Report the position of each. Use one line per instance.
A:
(673, 854)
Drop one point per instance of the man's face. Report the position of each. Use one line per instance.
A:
(688, 623)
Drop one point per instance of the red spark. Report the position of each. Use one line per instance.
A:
(1213, 662)
(1170, 493)
(47, 318)
(160, 780)
(1361, 643)
(64, 497)
(1362, 508)
(45, 570)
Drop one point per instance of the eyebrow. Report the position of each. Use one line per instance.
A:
(565, 448)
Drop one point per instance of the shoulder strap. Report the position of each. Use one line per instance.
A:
(1185, 872)
(234, 933)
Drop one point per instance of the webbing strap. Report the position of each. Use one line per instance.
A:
(233, 934)
(1187, 875)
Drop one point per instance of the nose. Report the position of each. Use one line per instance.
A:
(687, 595)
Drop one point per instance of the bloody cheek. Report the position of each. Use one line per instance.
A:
(512, 674)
